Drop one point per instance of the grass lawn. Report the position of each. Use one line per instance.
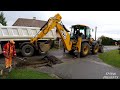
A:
(27, 74)
(112, 57)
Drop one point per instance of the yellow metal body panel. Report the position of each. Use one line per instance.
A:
(65, 37)
(78, 45)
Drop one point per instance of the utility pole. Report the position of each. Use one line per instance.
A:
(95, 32)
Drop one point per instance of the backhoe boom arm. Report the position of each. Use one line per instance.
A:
(54, 22)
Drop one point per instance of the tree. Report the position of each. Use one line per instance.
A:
(2, 19)
(107, 40)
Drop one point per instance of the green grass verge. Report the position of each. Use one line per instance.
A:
(112, 57)
(27, 74)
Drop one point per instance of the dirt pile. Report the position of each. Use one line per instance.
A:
(45, 61)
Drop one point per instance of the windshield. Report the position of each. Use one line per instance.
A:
(82, 29)
(75, 30)
(72, 32)
(88, 33)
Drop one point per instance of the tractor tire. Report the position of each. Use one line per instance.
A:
(71, 52)
(85, 49)
(101, 50)
(27, 50)
(95, 48)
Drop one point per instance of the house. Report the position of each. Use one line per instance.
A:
(29, 22)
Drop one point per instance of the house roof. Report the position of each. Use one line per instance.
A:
(29, 22)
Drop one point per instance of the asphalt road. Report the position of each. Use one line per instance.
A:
(108, 48)
(90, 67)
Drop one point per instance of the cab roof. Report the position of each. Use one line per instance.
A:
(80, 25)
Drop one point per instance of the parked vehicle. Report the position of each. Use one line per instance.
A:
(21, 36)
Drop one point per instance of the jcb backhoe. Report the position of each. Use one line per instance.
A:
(88, 44)
(79, 40)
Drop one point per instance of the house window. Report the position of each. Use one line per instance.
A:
(5, 32)
(15, 32)
(25, 32)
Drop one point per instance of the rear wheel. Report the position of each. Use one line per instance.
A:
(85, 49)
(95, 48)
(27, 50)
(101, 50)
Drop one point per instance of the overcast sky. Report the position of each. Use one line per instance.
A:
(107, 22)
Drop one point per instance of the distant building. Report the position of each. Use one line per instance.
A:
(29, 22)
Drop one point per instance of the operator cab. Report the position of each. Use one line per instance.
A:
(80, 30)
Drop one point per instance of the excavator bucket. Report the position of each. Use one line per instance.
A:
(45, 47)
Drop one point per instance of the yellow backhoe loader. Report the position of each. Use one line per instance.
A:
(79, 40)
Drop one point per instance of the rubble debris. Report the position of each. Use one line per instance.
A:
(48, 60)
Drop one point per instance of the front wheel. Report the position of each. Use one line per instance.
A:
(95, 48)
(101, 50)
(85, 49)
